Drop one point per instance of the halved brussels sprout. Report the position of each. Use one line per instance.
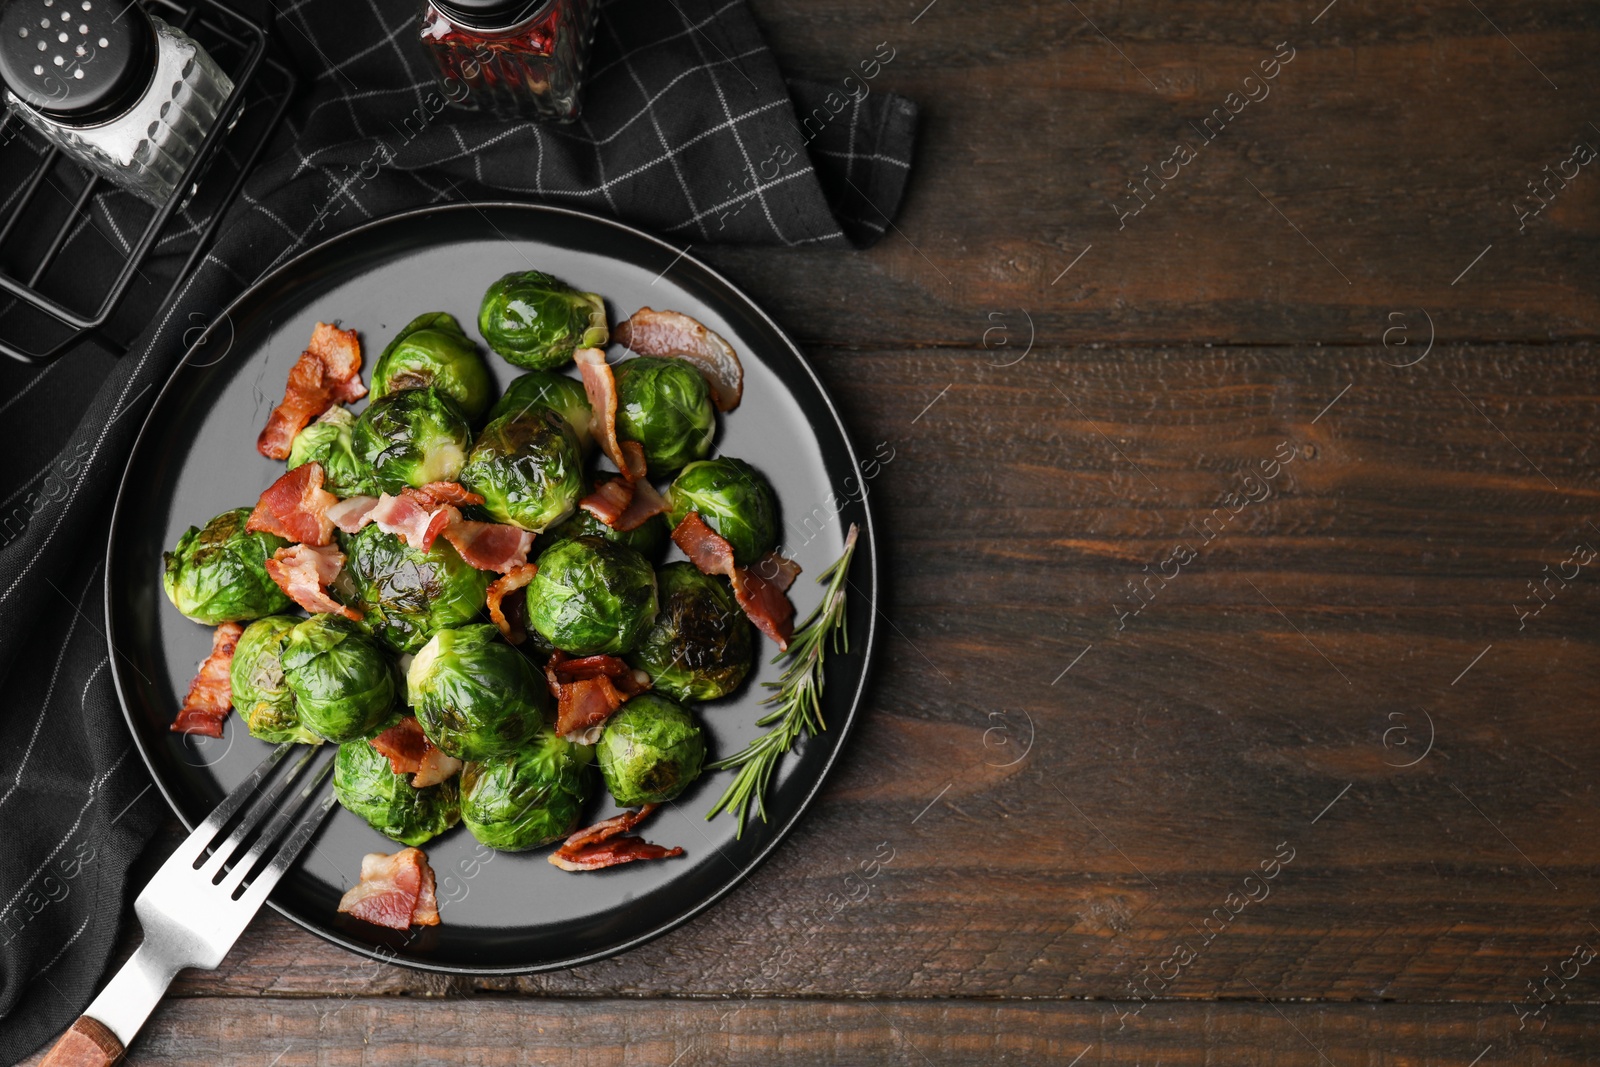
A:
(218, 574)
(261, 695)
(474, 695)
(536, 322)
(565, 396)
(701, 646)
(529, 797)
(528, 468)
(665, 405)
(413, 438)
(651, 751)
(343, 683)
(407, 595)
(649, 538)
(592, 596)
(733, 499)
(330, 441)
(366, 784)
(433, 350)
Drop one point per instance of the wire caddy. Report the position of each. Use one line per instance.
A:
(57, 197)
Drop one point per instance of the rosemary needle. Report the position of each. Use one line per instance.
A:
(796, 700)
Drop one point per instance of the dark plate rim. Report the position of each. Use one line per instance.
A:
(841, 733)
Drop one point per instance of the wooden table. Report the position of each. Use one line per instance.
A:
(1230, 709)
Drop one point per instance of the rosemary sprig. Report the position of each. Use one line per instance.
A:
(796, 699)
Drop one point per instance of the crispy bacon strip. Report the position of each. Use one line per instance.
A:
(674, 335)
(304, 573)
(394, 891)
(646, 502)
(582, 707)
(622, 503)
(409, 751)
(601, 846)
(328, 370)
(295, 507)
(514, 579)
(210, 694)
(489, 546)
(601, 386)
(760, 590)
(438, 494)
(352, 514)
(588, 691)
(609, 500)
(413, 517)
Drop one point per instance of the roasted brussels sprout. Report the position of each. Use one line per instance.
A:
(592, 596)
(406, 595)
(665, 405)
(433, 350)
(529, 797)
(649, 539)
(330, 441)
(365, 783)
(701, 645)
(733, 499)
(218, 574)
(413, 438)
(261, 695)
(528, 468)
(651, 751)
(542, 388)
(343, 684)
(474, 695)
(536, 322)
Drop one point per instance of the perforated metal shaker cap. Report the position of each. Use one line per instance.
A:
(76, 61)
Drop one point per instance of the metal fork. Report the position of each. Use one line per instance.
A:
(203, 897)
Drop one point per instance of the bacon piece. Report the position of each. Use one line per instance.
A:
(328, 370)
(489, 546)
(409, 751)
(435, 767)
(646, 504)
(588, 691)
(512, 580)
(394, 891)
(304, 573)
(674, 335)
(352, 514)
(413, 516)
(601, 846)
(582, 706)
(295, 507)
(211, 693)
(601, 386)
(609, 500)
(438, 494)
(760, 590)
(403, 745)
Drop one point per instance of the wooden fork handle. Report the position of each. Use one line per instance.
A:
(87, 1043)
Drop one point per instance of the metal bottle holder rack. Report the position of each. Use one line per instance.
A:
(31, 241)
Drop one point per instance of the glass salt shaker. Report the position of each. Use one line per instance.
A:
(511, 58)
(114, 87)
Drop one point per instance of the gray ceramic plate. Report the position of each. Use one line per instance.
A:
(195, 457)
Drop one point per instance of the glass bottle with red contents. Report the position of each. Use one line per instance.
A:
(512, 58)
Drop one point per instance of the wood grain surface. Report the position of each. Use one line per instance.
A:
(1238, 691)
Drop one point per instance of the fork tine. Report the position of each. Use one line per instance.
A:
(265, 802)
(197, 842)
(293, 844)
(268, 838)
